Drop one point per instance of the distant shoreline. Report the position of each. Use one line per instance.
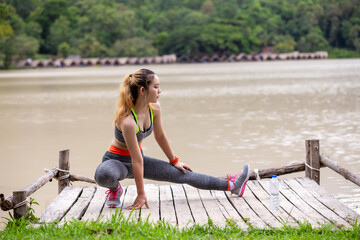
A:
(165, 59)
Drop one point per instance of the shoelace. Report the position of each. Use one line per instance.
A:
(233, 178)
(112, 194)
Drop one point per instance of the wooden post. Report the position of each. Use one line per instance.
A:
(64, 164)
(313, 160)
(20, 207)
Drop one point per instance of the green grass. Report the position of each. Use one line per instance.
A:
(120, 228)
(342, 53)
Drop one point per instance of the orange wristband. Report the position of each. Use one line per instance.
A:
(174, 161)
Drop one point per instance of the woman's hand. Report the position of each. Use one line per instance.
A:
(139, 202)
(182, 166)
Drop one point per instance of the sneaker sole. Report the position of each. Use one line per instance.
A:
(113, 206)
(243, 186)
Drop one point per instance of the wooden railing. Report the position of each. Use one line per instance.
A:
(17, 200)
(313, 162)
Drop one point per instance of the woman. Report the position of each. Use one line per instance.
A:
(137, 115)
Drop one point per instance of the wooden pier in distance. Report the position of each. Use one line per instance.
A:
(301, 200)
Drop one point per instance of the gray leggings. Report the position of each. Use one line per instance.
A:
(115, 168)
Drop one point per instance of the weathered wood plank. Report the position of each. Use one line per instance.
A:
(264, 197)
(288, 206)
(245, 211)
(323, 210)
(182, 210)
(96, 205)
(152, 194)
(312, 216)
(328, 200)
(261, 210)
(107, 212)
(78, 209)
(212, 208)
(228, 210)
(167, 210)
(129, 198)
(62, 203)
(196, 206)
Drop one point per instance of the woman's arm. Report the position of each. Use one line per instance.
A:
(162, 140)
(128, 128)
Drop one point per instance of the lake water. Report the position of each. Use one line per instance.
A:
(217, 116)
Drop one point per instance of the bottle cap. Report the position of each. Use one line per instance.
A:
(274, 176)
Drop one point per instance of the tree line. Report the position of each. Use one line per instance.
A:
(117, 28)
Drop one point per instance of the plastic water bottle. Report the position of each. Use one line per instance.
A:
(274, 194)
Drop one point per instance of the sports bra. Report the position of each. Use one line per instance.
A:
(140, 135)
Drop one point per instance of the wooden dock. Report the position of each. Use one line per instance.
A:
(301, 200)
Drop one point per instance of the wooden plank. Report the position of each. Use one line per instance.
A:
(96, 205)
(197, 209)
(228, 210)
(78, 209)
(328, 200)
(167, 210)
(212, 208)
(305, 194)
(313, 216)
(129, 198)
(245, 211)
(288, 206)
(315, 204)
(264, 197)
(182, 210)
(62, 203)
(261, 210)
(107, 212)
(152, 195)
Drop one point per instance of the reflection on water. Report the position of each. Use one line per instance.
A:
(218, 114)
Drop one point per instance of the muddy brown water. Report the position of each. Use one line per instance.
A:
(217, 116)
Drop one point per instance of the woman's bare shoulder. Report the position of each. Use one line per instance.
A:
(127, 123)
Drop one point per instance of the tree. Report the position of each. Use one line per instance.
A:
(89, 46)
(208, 8)
(6, 31)
(354, 33)
(59, 33)
(133, 47)
(23, 8)
(285, 44)
(63, 50)
(26, 47)
(313, 41)
(107, 24)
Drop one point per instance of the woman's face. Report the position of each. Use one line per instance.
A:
(154, 91)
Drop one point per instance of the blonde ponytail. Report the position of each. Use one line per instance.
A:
(129, 91)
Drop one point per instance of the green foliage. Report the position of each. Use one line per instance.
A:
(64, 50)
(133, 47)
(60, 32)
(119, 227)
(285, 46)
(208, 8)
(96, 27)
(89, 46)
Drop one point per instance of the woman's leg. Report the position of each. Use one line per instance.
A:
(159, 170)
(109, 173)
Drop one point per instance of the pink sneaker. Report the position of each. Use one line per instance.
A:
(113, 197)
(240, 180)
